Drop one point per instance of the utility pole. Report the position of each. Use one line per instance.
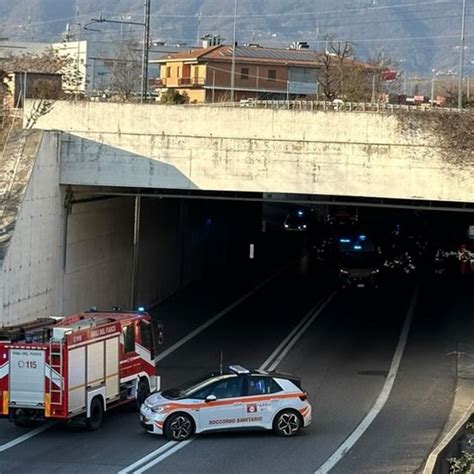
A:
(461, 54)
(433, 86)
(198, 37)
(146, 49)
(146, 41)
(232, 73)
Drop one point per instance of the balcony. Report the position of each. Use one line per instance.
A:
(192, 81)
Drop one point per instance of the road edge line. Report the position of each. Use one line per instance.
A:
(383, 396)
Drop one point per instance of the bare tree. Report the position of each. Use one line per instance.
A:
(125, 70)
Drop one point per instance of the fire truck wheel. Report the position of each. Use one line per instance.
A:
(179, 426)
(94, 422)
(143, 391)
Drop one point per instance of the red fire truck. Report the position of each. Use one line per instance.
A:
(77, 366)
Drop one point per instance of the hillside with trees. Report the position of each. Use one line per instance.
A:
(421, 34)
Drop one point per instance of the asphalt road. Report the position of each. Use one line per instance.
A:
(343, 358)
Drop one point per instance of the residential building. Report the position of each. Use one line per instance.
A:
(204, 74)
(96, 62)
(31, 85)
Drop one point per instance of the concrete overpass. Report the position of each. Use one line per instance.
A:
(374, 155)
(59, 256)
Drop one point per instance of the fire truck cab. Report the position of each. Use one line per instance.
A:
(78, 367)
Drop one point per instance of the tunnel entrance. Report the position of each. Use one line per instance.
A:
(127, 248)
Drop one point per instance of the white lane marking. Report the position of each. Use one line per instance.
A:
(303, 329)
(285, 347)
(164, 354)
(307, 317)
(149, 456)
(215, 318)
(381, 399)
(24, 437)
(161, 458)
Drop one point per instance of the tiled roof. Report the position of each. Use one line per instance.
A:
(250, 54)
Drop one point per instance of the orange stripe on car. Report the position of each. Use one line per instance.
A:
(229, 401)
(304, 411)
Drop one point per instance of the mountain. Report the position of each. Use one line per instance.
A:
(419, 35)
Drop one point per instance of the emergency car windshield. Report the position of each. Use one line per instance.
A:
(188, 389)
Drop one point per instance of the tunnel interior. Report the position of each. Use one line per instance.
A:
(121, 255)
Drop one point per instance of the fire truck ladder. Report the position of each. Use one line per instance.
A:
(56, 370)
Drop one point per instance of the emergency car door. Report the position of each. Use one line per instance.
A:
(227, 410)
(262, 403)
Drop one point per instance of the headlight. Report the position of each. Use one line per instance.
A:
(160, 409)
(374, 272)
(343, 272)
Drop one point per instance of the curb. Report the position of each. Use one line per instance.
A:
(434, 457)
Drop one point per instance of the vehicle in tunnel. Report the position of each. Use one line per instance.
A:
(236, 398)
(78, 367)
(359, 262)
(297, 220)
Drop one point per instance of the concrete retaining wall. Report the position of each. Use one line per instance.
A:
(254, 150)
(31, 267)
(180, 241)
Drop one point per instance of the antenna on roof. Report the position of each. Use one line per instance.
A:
(222, 362)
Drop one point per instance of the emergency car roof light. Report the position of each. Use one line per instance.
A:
(362, 237)
(237, 369)
(357, 247)
(141, 309)
(345, 241)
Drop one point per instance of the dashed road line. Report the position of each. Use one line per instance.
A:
(349, 443)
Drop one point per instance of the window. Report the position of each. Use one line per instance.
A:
(230, 387)
(168, 72)
(272, 75)
(262, 386)
(129, 338)
(244, 73)
(146, 337)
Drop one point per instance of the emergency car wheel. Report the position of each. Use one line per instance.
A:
(94, 422)
(287, 423)
(179, 427)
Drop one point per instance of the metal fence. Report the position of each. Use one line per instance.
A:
(325, 106)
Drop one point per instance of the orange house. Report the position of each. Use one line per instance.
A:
(260, 73)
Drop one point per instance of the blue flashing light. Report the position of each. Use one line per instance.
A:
(301, 213)
(345, 241)
(362, 237)
(357, 247)
(141, 309)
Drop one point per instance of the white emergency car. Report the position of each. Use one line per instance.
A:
(234, 399)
